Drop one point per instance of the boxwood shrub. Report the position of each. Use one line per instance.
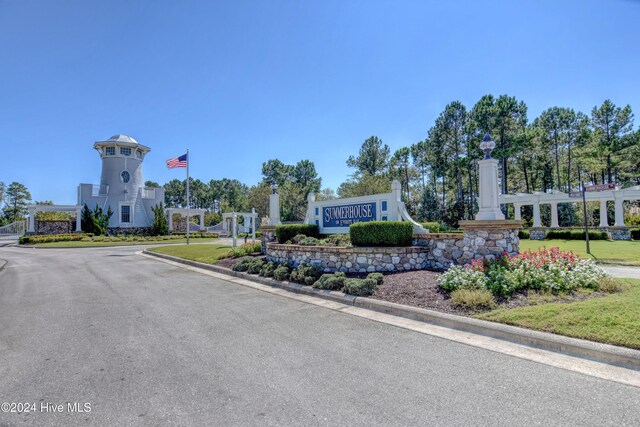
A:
(286, 232)
(381, 233)
(523, 234)
(576, 235)
(433, 227)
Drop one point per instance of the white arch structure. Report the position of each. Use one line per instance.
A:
(536, 199)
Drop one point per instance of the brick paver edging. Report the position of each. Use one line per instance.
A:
(606, 353)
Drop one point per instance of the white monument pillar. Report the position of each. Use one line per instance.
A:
(253, 224)
(619, 208)
(78, 218)
(554, 215)
(170, 213)
(488, 186)
(536, 214)
(234, 226)
(32, 219)
(604, 221)
(517, 209)
(274, 207)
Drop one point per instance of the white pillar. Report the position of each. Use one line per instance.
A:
(603, 213)
(253, 224)
(234, 222)
(274, 209)
(201, 220)
(170, 220)
(536, 214)
(488, 202)
(32, 220)
(619, 212)
(554, 215)
(517, 209)
(78, 218)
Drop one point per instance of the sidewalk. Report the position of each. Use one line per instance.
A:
(622, 271)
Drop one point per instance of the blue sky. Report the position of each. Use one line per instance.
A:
(241, 82)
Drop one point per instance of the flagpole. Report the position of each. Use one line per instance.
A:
(187, 196)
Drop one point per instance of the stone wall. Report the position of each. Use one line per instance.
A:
(435, 251)
(54, 227)
(351, 259)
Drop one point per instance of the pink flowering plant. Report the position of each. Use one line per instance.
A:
(550, 270)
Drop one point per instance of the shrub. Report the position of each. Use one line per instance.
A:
(433, 227)
(267, 269)
(378, 277)
(330, 281)
(286, 232)
(381, 233)
(242, 265)
(635, 233)
(523, 234)
(255, 266)
(297, 238)
(250, 248)
(281, 273)
(336, 240)
(160, 226)
(309, 241)
(360, 287)
(236, 252)
(305, 274)
(473, 298)
(609, 284)
(576, 235)
(50, 238)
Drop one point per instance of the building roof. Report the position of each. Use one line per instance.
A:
(121, 138)
(123, 141)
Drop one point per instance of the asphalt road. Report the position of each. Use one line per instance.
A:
(147, 343)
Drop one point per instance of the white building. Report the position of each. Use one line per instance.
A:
(121, 184)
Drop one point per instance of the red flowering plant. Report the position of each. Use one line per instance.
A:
(548, 269)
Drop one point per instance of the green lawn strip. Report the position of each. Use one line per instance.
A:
(85, 244)
(602, 251)
(613, 319)
(208, 254)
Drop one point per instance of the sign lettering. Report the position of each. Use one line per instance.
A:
(344, 216)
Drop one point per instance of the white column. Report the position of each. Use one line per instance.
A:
(234, 222)
(201, 220)
(536, 214)
(488, 202)
(253, 223)
(32, 220)
(274, 209)
(78, 218)
(603, 213)
(554, 215)
(170, 220)
(517, 209)
(619, 212)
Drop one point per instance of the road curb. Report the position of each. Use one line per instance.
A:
(3, 263)
(605, 353)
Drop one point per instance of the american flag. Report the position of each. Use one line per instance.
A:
(177, 162)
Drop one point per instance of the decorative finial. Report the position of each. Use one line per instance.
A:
(487, 145)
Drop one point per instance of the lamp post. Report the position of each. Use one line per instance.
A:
(487, 145)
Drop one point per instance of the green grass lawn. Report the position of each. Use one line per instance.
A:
(91, 244)
(202, 253)
(613, 319)
(602, 251)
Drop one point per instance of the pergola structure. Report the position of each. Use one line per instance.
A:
(250, 219)
(184, 212)
(53, 208)
(536, 199)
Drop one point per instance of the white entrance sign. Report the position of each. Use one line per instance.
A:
(335, 216)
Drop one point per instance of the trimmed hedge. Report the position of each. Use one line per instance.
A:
(285, 232)
(433, 227)
(49, 238)
(635, 233)
(381, 233)
(576, 235)
(523, 234)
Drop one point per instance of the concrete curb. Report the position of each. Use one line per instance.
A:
(3, 264)
(605, 353)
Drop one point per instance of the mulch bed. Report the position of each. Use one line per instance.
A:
(420, 289)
